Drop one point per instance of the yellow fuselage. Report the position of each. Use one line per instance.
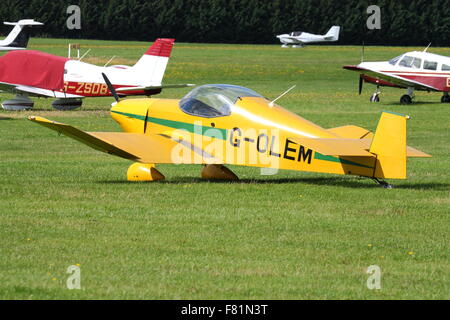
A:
(254, 134)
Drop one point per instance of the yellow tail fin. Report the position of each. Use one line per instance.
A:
(389, 145)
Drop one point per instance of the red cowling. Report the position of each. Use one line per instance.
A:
(33, 68)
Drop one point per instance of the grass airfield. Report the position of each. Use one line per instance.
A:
(293, 235)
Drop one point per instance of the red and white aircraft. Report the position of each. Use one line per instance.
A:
(35, 73)
(416, 70)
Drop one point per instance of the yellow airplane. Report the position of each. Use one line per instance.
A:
(220, 124)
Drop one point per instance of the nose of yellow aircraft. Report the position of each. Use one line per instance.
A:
(131, 114)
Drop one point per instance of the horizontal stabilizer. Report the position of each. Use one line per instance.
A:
(348, 147)
(414, 153)
(352, 132)
(336, 146)
(24, 22)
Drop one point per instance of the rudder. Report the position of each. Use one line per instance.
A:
(153, 63)
(389, 146)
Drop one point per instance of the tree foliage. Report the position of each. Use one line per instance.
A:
(403, 22)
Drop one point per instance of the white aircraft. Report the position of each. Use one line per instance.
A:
(18, 38)
(415, 70)
(299, 39)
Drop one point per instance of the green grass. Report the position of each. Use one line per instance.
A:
(289, 236)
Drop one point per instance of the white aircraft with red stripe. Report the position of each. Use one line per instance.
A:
(416, 70)
(34, 73)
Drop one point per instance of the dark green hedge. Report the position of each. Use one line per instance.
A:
(414, 22)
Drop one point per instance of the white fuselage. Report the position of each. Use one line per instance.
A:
(302, 38)
(425, 69)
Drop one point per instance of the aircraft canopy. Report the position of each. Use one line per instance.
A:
(214, 100)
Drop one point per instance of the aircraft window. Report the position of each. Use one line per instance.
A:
(410, 62)
(211, 101)
(296, 33)
(430, 65)
(416, 63)
(445, 67)
(406, 61)
(395, 60)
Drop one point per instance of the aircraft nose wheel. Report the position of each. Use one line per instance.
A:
(406, 99)
(445, 98)
(375, 98)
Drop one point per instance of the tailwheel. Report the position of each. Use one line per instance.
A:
(445, 98)
(218, 172)
(406, 99)
(383, 184)
(144, 172)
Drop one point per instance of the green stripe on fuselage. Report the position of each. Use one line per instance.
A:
(193, 128)
(320, 156)
(221, 134)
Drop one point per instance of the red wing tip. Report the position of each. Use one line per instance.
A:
(162, 47)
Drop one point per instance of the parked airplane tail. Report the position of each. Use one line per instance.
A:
(389, 145)
(19, 36)
(153, 63)
(333, 34)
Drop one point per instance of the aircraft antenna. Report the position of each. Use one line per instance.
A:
(425, 50)
(362, 53)
(281, 95)
(109, 61)
(84, 55)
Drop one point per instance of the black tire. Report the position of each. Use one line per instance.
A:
(375, 98)
(405, 99)
(445, 99)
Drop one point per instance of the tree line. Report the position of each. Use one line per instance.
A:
(403, 22)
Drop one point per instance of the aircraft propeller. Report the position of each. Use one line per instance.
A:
(110, 87)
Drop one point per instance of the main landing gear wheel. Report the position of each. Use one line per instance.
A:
(19, 103)
(445, 98)
(406, 99)
(375, 98)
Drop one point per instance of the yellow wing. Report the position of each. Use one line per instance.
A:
(146, 148)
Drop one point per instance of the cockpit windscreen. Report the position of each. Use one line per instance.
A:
(214, 100)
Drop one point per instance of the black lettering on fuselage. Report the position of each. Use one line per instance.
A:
(287, 149)
(305, 155)
(290, 151)
(235, 142)
(263, 149)
(272, 153)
